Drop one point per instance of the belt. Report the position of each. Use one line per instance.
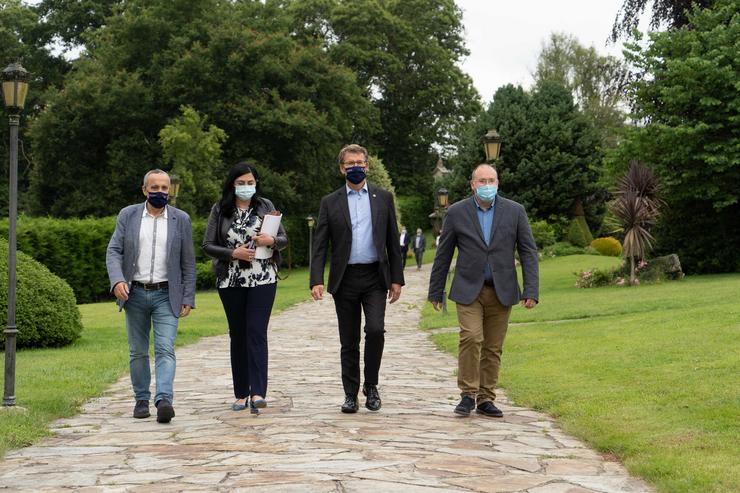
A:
(364, 266)
(486, 282)
(150, 287)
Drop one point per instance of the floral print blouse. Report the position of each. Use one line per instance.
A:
(243, 274)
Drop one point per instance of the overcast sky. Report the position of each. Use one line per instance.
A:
(505, 37)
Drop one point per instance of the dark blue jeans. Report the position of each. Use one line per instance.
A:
(248, 313)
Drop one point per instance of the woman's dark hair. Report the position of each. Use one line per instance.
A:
(228, 197)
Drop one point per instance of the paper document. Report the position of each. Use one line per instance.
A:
(270, 225)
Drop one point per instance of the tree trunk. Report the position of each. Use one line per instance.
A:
(633, 277)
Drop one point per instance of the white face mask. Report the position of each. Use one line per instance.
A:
(245, 192)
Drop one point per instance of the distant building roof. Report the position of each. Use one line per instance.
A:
(440, 171)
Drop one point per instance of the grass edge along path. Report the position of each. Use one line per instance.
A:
(53, 383)
(648, 373)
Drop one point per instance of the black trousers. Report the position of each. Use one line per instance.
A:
(404, 255)
(419, 257)
(248, 313)
(360, 290)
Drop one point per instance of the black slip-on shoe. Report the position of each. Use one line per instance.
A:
(350, 404)
(165, 411)
(141, 409)
(489, 409)
(466, 405)
(372, 402)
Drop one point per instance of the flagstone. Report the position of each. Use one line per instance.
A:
(302, 442)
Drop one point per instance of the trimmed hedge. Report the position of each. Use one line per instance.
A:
(74, 249)
(46, 312)
(578, 232)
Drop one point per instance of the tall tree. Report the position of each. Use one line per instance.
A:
(406, 55)
(688, 102)
(549, 153)
(283, 103)
(598, 83)
(670, 13)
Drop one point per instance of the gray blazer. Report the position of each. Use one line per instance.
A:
(123, 250)
(510, 232)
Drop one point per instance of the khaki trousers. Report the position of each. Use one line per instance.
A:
(483, 325)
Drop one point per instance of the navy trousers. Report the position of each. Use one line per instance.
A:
(248, 313)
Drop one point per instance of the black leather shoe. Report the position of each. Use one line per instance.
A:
(373, 397)
(165, 411)
(141, 410)
(466, 405)
(489, 409)
(350, 404)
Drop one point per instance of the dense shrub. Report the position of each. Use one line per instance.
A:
(46, 312)
(544, 234)
(608, 246)
(578, 232)
(415, 212)
(73, 249)
(205, 279)
(561, 249)
(594, 278)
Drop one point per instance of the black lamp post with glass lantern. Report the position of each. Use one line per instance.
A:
(492, 145)
(15, 87)
(443, 198)
(311, 222)
(174, 191)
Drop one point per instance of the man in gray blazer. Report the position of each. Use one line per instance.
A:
(151, 266)
(487, 230)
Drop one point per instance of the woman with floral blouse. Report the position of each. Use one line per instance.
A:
(246, 285)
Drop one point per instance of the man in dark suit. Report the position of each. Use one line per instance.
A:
(486, 229)
(151, 267)
(359, 220)
(403, 241)
(420, 244)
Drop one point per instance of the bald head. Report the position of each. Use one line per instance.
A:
(484, 169)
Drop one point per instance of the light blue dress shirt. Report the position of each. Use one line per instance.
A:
(363, 249)
(485, 219)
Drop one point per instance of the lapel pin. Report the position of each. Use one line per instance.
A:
(374, 195)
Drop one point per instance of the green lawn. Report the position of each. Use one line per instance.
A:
(648, 373)
(53, 383)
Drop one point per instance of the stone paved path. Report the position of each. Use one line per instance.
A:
(302, 442)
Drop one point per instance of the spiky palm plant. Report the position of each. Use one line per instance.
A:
(635, 209)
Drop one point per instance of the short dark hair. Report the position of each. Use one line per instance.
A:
(351, 148)
(228, 196)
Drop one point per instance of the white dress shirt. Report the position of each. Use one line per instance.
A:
(402, 238)
(151, 263)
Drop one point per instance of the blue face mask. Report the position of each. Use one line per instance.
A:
(356, 174)
(486, 192)
(245, 192)
(157, 199)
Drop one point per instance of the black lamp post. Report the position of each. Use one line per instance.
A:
(311, 221)
(492, 145)
(442, 203)
(174, 189)
(15, 87)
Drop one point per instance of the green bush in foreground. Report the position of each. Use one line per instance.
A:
(46, 310)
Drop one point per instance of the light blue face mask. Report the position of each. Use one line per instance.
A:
(245, 192)
(486, 192)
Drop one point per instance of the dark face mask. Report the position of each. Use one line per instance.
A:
(356, 174)
(157, 199)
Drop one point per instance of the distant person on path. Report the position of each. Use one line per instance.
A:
(359, 221)
(246, 285)
(420, 244)
(151, 267)
(403, 241)
(486, 229)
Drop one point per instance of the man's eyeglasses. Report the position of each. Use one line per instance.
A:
(351, 164)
